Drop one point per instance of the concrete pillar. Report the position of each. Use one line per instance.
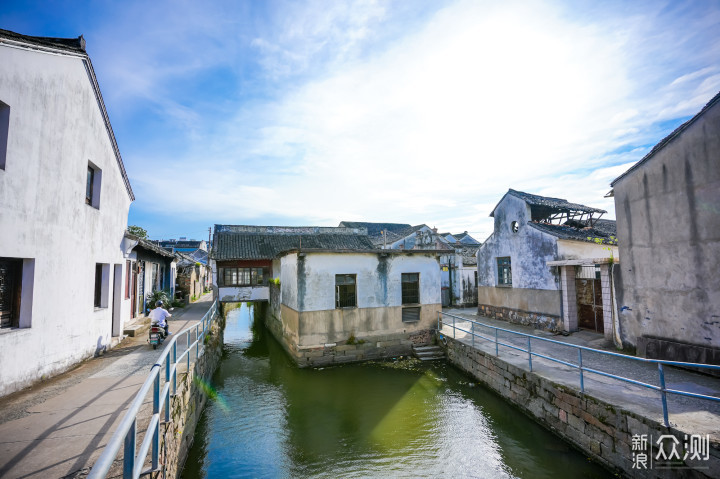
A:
(569, 298)
(606, 301)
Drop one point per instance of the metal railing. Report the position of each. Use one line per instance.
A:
(126, 433)
(662, 389)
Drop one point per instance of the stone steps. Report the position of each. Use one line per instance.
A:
(428, 353)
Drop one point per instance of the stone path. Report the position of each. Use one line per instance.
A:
(58, 428)
(691, 415)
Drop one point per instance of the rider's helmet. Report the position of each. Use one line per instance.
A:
(158, 304)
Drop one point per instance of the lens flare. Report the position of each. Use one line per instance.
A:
(211, 393)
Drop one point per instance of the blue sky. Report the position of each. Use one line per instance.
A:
(310, 113)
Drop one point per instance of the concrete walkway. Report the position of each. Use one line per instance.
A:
(58, 428)
(691, 415)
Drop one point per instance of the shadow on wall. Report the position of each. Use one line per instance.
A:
(100, 348)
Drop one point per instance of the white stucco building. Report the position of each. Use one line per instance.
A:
(64, 201)
(333, 295)
(547, 263)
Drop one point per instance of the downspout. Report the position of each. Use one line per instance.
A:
(616, 319)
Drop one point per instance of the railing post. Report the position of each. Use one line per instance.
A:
(453, 317)
(529, 354)
(156, 433)
(472, 333)
(663, 394)
(129, 452)
(174, 352)
(197, 344)
(580, 366)
(496, 342)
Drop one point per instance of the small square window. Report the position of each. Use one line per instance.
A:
(504, 271)
(345, 291)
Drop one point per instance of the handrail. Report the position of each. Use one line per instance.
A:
(126, 433)
(582, 369)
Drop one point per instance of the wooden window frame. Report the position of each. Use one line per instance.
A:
(244, 276)
(504, 270)
(410, 288)
(345, 291)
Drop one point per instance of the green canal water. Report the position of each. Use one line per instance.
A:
(392, 419)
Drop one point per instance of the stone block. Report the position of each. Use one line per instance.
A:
(576, 423)
(384, 344)
(346, 347)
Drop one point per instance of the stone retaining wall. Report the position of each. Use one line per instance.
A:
(187, 405)
(546, 322)
(603, 431)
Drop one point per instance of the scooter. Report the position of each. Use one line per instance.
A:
(157, 335)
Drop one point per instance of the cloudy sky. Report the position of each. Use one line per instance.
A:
(415, 111)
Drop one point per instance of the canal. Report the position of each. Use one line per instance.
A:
(392, 419)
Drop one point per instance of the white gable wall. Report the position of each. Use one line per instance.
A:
(56, 127)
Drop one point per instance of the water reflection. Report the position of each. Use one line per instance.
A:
(379, 420)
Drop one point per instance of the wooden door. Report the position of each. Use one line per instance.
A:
(589, 300)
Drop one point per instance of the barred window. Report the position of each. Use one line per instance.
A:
(243, 276)
(410, 288)
(504, 271)
(345, 291)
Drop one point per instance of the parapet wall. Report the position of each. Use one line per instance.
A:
(176, 437)
(601, 430)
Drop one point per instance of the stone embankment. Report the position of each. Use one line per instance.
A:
(603, 430)
(193, 389)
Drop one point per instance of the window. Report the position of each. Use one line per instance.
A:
(410, 288)
(4, 130)
(10, 291)
(92, 186)
(475, 278)
(243, 276)
(102, 283)
(515, 227)
(345, 291)
(504, 271)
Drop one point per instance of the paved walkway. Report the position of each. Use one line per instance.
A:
(691, 415)
(58, 428)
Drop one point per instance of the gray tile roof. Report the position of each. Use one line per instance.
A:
(69, 44)
(549, 203)
(267, 242)
(149, 246)
(468, 253)
(669, 138)
(375, 229)
(603, 229)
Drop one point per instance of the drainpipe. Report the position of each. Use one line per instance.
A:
(450, 278)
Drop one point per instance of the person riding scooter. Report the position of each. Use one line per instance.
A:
(158, 315)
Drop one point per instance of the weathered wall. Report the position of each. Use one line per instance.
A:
(313, 349)
(532, 307)
(581, 250)
(239, 294)
(601, 430)
(308, 282)
(466, 288)
(668, 221)
(186, 406)
(529, 249)
(55, 129)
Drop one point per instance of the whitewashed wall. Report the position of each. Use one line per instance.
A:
(55, 129)
(308, 283)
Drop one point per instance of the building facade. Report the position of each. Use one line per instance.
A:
(64, 201)
(668, 213)
(543, 261)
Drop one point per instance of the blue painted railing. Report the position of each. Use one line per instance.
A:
(126, 433)
(579, 366)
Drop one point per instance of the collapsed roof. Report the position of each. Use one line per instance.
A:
(545, 209)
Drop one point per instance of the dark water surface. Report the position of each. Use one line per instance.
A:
(404, 419)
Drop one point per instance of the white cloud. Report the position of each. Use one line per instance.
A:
(436, 125)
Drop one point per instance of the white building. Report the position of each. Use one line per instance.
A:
(547, 264)
(334, 295)
(64, 201)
